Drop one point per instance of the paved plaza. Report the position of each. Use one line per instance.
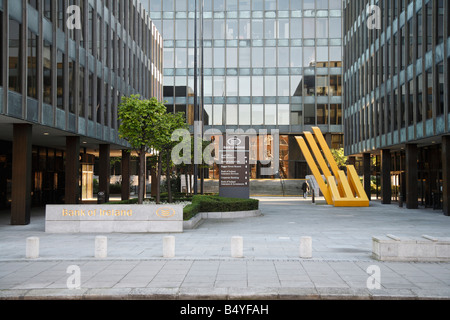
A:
(203, 267)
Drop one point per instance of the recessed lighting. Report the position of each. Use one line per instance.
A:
(46, 134)
(84, 142)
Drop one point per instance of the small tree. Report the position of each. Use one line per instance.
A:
(141, 125)
(164, 144)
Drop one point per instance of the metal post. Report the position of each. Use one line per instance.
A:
(195, 102)
(202, 90)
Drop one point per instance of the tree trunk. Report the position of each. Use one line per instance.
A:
(141, 181)
(158, 182)
(169, 189)
(186, 179)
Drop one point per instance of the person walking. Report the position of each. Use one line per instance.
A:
(305, 189)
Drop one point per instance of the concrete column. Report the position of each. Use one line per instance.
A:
(126, 156)
(72, 194)
(386, 191)
(306, 247)
(101, 247)
(32, 248)
(237, 247)
(169, 247)
(21, 174)
(412, 176)
(366, 165)
(446, 174)
(104, 173)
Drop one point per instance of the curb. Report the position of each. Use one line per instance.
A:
(221, 294)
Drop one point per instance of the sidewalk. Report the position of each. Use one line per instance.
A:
(203, 269)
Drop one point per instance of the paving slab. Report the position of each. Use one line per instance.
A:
(203, 268)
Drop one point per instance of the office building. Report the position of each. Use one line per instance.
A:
(64, 70)
(268, 64)
(396, 98)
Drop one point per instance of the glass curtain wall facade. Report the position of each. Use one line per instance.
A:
(396, 95)
(63, 82)
(273, 64)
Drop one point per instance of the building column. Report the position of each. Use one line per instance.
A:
(104, 172)
(366, 166)
(126, 156)
(446, 174)
(412, 176)
(72, 192)
(21, 174)
(386, 188)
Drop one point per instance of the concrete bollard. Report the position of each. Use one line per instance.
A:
(306, 247)
(101, 247)
(237, 247)
(169, 247)
(32, 250)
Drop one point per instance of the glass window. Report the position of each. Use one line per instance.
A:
(310, 28)
(270, 29)
(310, 85)
(335, 28)
(257, 57)
(322, 114)
(283, 114)
(310, 114)
(244, 115)
(232, 115)
(244, 57)
(81, 102)
(283, 86)
(283, 29)
(335, 114)
(257, 114)
(296, 28)
(270, 115)
(271, 57)
(60, 80)
(322, 85)
(232, 86)
(244, 86)
(322, 28)
(15, 68)
(258, 86)
(232, 57)
(71, 86)
(244, 29)
(257, 29)
(270, 83)
(32, 65)
(283, 57)
(218, 115)
(429, 87)
(168, 31)
(47, 61)
(309, 57)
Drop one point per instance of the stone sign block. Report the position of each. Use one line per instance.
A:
(114, 218)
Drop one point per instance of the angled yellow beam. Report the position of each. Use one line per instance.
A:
(315, 171)
(316, 151)
(326, 151)
(348, 193)
(333, 189)
(356, 185)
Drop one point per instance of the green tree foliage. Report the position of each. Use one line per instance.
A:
(339, 157)
(142, 126)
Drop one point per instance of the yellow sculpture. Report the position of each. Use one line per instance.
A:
(338, 191)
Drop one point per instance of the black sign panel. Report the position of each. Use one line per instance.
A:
(234, 168)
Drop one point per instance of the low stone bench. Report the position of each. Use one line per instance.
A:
(424, 249)
(195, 221)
